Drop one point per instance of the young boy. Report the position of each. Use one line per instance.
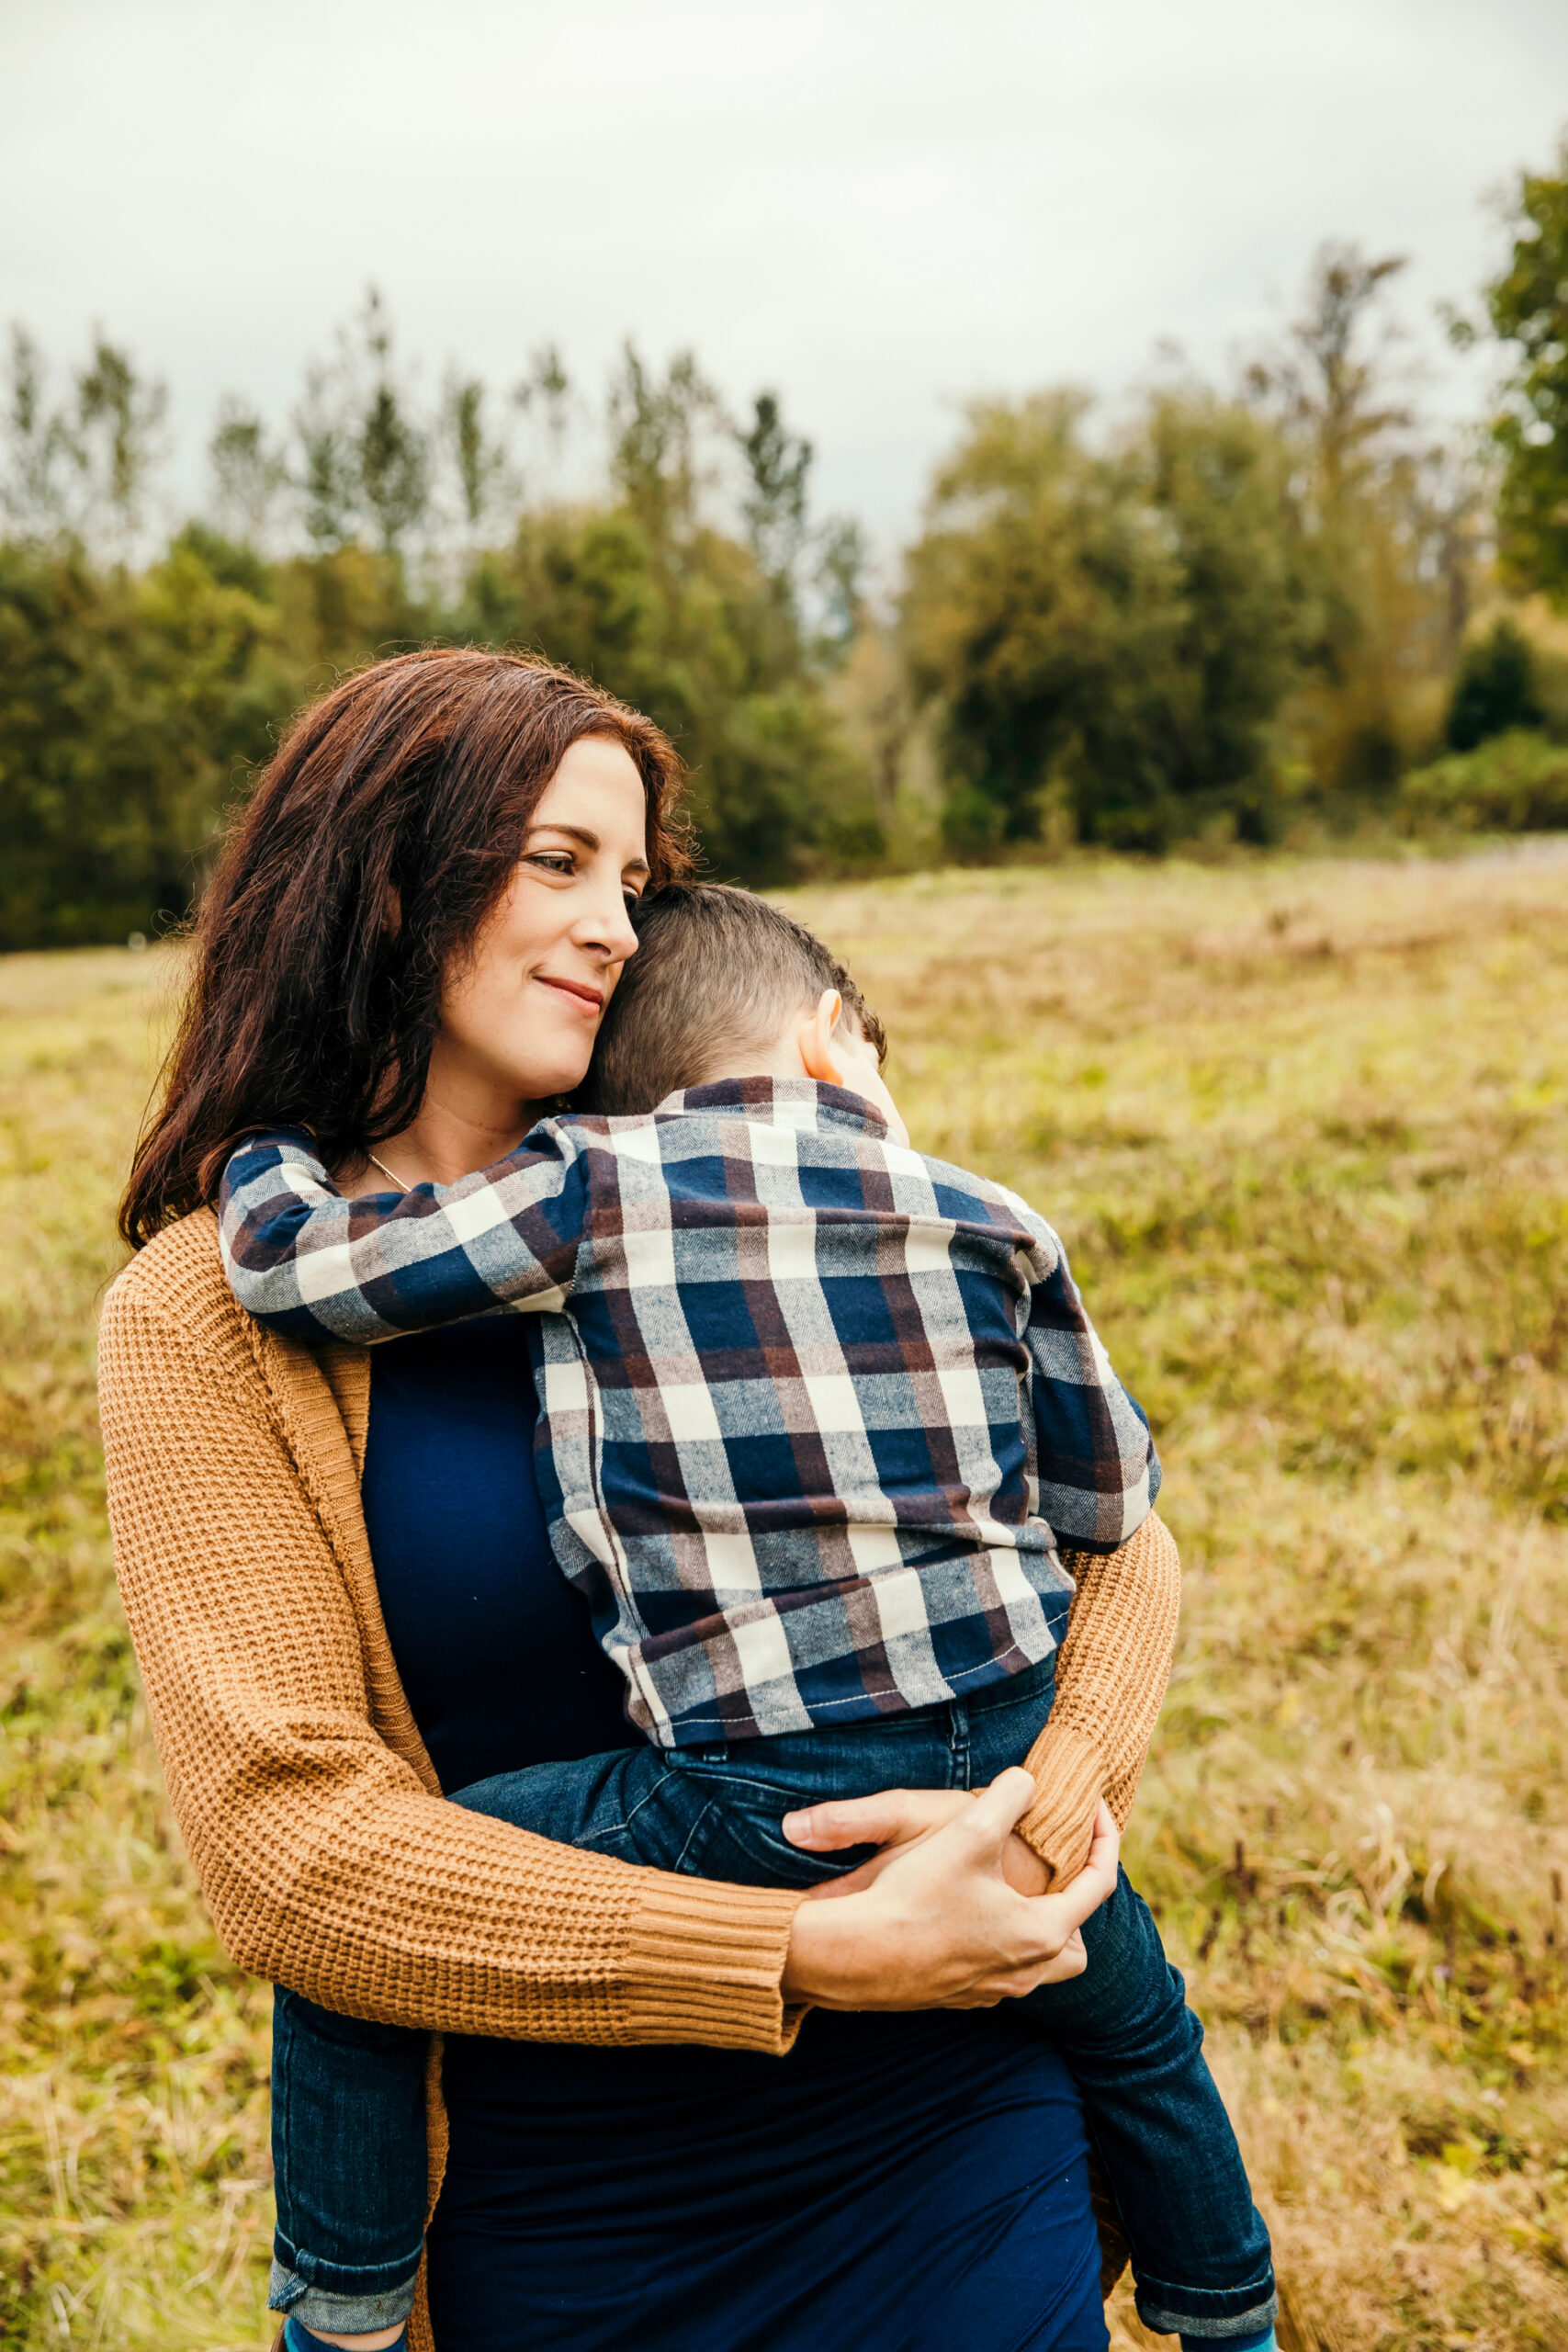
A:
(815, 1412)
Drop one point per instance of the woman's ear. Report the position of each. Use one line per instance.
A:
(814, 1038)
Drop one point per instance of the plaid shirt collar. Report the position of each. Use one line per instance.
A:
(781, 1103)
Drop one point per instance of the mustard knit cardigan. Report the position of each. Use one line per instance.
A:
(310, 1809)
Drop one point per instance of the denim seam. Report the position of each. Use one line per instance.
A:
(623, 1828)
(960, 1748)
(748, 1781)
(1263, 2284)
(692, 1837)
(733, 1780)
(299, 2262)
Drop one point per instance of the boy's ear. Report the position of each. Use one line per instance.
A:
(814, 1038)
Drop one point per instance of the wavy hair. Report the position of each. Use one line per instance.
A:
(377, 839)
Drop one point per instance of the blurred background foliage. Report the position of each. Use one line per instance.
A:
(1270, 611)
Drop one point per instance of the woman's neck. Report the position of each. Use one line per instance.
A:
(449, 1137)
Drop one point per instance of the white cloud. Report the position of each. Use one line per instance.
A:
(878, 206)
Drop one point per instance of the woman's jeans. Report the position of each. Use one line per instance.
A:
(348, 2113)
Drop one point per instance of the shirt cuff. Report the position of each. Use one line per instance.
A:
(1069, 1777)
(704, 1962)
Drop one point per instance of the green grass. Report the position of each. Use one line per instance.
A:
(1304, 1128)
(132, 2108)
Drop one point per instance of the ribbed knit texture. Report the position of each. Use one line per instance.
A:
(1110, 1676)
(308, 1805)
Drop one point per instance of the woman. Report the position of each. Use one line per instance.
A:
(343, 1604)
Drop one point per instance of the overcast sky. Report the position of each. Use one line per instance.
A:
(880, 206)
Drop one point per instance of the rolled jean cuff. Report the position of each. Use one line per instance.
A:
(1213, 2315)
(326, 2312)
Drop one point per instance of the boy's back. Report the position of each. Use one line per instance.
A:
(816, 1408)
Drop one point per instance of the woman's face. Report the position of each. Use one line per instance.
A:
(520, 1012)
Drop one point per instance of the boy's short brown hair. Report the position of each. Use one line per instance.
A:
(717, 972)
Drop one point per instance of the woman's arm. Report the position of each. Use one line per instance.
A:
(1110, 1676)
(1099, 1476)
(330, 1864)
(327, 1863)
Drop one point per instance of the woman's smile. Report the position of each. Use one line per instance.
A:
(583, 860)
(592, 1000)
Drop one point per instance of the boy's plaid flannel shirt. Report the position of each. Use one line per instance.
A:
(815, 1409)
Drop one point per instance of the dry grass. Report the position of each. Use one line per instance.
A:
(1305, 1129)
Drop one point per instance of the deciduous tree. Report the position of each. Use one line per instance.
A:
(1529, 307)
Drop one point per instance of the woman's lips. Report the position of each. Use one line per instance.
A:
(592, 1000)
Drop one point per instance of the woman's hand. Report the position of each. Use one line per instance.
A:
(894, 1820)
(935, 1925)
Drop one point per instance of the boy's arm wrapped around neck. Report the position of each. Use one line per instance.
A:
(306, 1261)
(1110, 1677)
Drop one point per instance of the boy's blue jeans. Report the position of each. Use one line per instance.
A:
(348, 2112)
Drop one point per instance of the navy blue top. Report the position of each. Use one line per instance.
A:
(897, 2184)
(494, 1648)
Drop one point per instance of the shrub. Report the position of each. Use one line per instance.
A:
(1494, 691)
(128, 706)
(1515, 783)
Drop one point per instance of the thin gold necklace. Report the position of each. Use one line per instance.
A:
(388, 1171)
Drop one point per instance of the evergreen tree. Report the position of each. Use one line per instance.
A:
(1494, 691)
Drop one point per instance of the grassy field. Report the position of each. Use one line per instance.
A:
(1305, 1129)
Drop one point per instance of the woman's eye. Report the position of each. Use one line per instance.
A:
(554, 861)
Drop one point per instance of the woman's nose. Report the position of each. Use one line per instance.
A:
(607, 927)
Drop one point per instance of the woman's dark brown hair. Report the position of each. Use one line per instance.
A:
(377, 839)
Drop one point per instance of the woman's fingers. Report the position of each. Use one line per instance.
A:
(896, 1818)
(1040, 1934)
(915, 1831)
(892, 1818)
(1070, 1905)
(932, 1921)
(1071, 1960)
(1105, 1846)
(855, 1882)
(995, 1812)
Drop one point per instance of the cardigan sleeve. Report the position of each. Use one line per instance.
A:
(327, 1863)
(1111, 1677)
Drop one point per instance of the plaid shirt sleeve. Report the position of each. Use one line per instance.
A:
(305, 1261)
(1097, 1470)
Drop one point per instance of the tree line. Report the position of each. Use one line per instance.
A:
(1234, 612)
